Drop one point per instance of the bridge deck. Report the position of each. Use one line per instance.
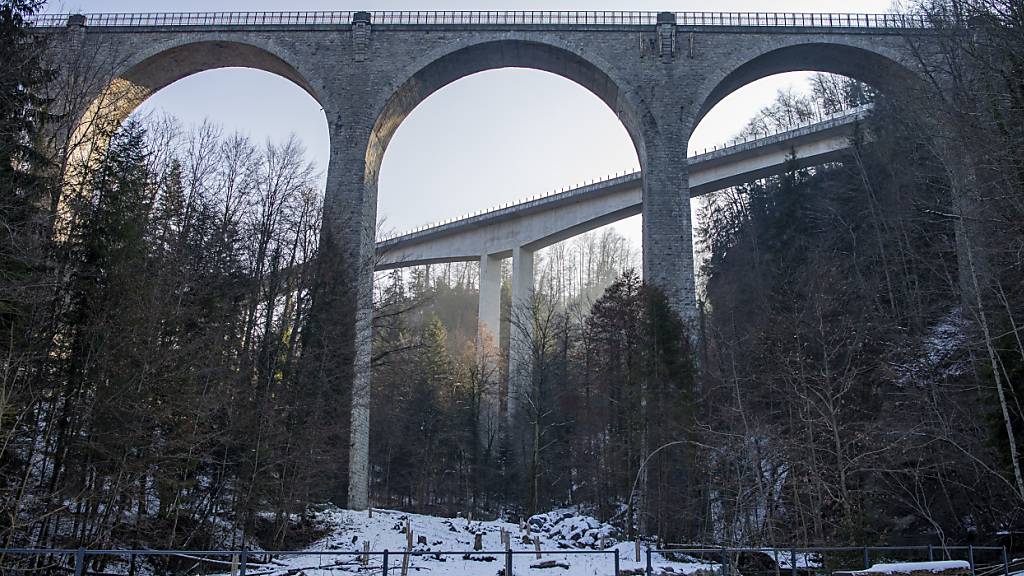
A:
(717, 158)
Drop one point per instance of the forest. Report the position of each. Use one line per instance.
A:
(855, 375)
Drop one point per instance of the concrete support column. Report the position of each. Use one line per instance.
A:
(520, 349)
(490, 296)
(488, 344)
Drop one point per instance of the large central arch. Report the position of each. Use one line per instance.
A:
(425, 76)
(435, 71)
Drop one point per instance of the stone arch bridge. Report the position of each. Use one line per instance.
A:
(659, 72)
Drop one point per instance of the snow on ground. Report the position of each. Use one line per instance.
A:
(909, 567)
(558, 530)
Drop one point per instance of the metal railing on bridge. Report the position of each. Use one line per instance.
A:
(800, 20)
(143, 19)
(493, 18)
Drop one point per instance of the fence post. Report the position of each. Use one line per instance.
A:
(616, 552)
(792, 561)
(508, 561)
(867, 558)
(725, 562)
(970, 557)
(650, 569)
(931, 552)
(79, 562)
(242, 559)
(1006, 563)
(384, 565)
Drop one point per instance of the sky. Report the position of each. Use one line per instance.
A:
(487, 139)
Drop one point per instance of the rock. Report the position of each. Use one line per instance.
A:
(550, 564)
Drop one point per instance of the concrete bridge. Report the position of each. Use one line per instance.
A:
(659, 72)
(517, 231)
(539, 222)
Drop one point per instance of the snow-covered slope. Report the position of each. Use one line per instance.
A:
(560, 530)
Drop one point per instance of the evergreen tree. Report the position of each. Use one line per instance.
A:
(642, 363)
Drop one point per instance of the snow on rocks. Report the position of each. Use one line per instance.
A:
(572, 530)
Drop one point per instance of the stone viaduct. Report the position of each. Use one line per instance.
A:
(659, 72)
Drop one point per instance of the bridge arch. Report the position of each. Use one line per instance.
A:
(165, 63)
(879, 66)
(118, 86)
(127, 83)
(121, 85)
(436, 70)
(424, 76)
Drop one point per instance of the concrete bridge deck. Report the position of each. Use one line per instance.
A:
(539, 222)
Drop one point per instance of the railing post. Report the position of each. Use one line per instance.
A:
(650, 569)
(616, 552)
(725, 562)
(970, 557)
(508, 561)
(931, 552)
(867, 558)
(384, 564)
(1006, 563)
(243, 557)
(792, 561)
(79, 562)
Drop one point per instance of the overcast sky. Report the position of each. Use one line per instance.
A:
(491, 138)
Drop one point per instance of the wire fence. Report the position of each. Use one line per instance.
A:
(494, 18)
(85, 562)
(828, 561)
(820, 561)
